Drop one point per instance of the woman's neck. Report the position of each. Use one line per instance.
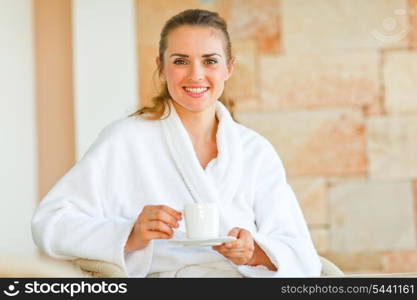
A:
(201, 126)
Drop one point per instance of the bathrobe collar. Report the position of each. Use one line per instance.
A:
(221, 182)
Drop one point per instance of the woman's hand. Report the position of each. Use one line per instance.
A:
(240, 251)
(154, 222)
(244, 250)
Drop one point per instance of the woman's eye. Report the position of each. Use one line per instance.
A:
(179, 62)
(211, 61)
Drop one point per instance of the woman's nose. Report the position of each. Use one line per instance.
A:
(196, 72)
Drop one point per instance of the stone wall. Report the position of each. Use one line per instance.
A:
(333, 85)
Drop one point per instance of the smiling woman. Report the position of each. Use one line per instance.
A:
(122, 203)
(200, 74)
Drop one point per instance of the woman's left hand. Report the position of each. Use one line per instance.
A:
(240, 251)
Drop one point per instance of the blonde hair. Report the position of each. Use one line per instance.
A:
(193, 17)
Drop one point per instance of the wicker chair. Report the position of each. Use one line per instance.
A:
(329, 269)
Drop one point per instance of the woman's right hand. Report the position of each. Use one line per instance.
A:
(154, 222)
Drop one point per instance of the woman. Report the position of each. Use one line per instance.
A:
(122, 201)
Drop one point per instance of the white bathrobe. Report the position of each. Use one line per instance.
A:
(134, 162)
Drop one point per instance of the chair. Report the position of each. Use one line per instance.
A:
(100, 269)
(329, 269)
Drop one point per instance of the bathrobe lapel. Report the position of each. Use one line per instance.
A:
(220, 183)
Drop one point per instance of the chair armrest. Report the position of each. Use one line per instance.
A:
(329, 269)
(98, 268)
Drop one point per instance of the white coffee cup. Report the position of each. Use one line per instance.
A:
(201, 220)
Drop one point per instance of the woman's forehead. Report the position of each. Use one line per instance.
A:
(195, 40)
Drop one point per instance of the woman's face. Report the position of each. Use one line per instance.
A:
(195, 67)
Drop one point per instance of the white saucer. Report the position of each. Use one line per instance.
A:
(203, 242)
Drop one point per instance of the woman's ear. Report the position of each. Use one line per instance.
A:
(230, 67)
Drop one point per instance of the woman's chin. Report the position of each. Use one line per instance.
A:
(196, 105)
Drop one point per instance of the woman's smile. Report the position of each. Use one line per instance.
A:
(196, 91)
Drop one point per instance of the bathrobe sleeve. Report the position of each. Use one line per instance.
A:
(282, 231)
(70, 221)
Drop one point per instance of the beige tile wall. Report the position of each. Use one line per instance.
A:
(333, 85)
(343, 25)
(412, 8)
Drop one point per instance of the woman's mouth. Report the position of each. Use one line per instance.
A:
(195, 92)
